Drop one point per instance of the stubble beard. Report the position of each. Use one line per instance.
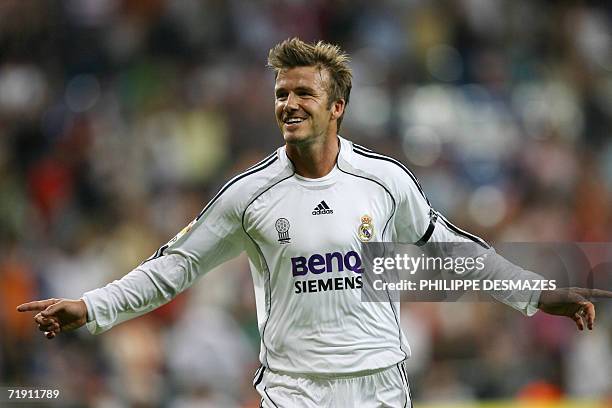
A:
(303, 139)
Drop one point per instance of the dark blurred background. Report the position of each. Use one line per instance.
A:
(120, 119)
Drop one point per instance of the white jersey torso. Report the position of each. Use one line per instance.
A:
(307, 268)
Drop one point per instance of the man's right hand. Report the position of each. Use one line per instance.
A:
(55, 315)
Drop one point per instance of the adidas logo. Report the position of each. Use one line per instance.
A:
(322, 208)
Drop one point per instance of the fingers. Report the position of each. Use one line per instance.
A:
(53, 327)
(593, 293)
(52, 309)
(43, 321)
(47, 324)
(578, 320)
(601, 293)
(586, 313)
(36, 306)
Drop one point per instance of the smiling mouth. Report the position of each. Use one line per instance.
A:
(293, 121)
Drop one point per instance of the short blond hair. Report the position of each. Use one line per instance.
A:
(294, 52)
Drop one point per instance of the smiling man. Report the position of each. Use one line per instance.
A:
(301, 215)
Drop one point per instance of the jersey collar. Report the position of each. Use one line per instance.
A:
(344, 155)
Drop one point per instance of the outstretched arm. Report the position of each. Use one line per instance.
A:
(417, 222)
(573, 303)
(152, 284)
(211, 239)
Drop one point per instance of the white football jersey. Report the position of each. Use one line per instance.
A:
(303, 238)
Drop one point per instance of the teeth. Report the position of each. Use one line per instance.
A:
(294, 120)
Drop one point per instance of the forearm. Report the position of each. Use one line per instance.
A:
(448, 242)
(496, 267)
(145, 288)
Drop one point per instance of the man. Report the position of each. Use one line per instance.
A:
(301, 214)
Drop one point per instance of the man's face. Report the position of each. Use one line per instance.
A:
(301, 104)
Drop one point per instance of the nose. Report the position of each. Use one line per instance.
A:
(291, 102)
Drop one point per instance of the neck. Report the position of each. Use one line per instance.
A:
(315, 159)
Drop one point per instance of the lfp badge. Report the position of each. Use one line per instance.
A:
(366, 229)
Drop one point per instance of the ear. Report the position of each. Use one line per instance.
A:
(337, 108)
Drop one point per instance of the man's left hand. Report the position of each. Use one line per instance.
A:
(574, 303)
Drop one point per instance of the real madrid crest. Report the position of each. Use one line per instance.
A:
(366, 229)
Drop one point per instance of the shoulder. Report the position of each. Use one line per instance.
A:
(389, 170)
(237, 192)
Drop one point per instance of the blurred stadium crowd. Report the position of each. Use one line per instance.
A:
(120, 119)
